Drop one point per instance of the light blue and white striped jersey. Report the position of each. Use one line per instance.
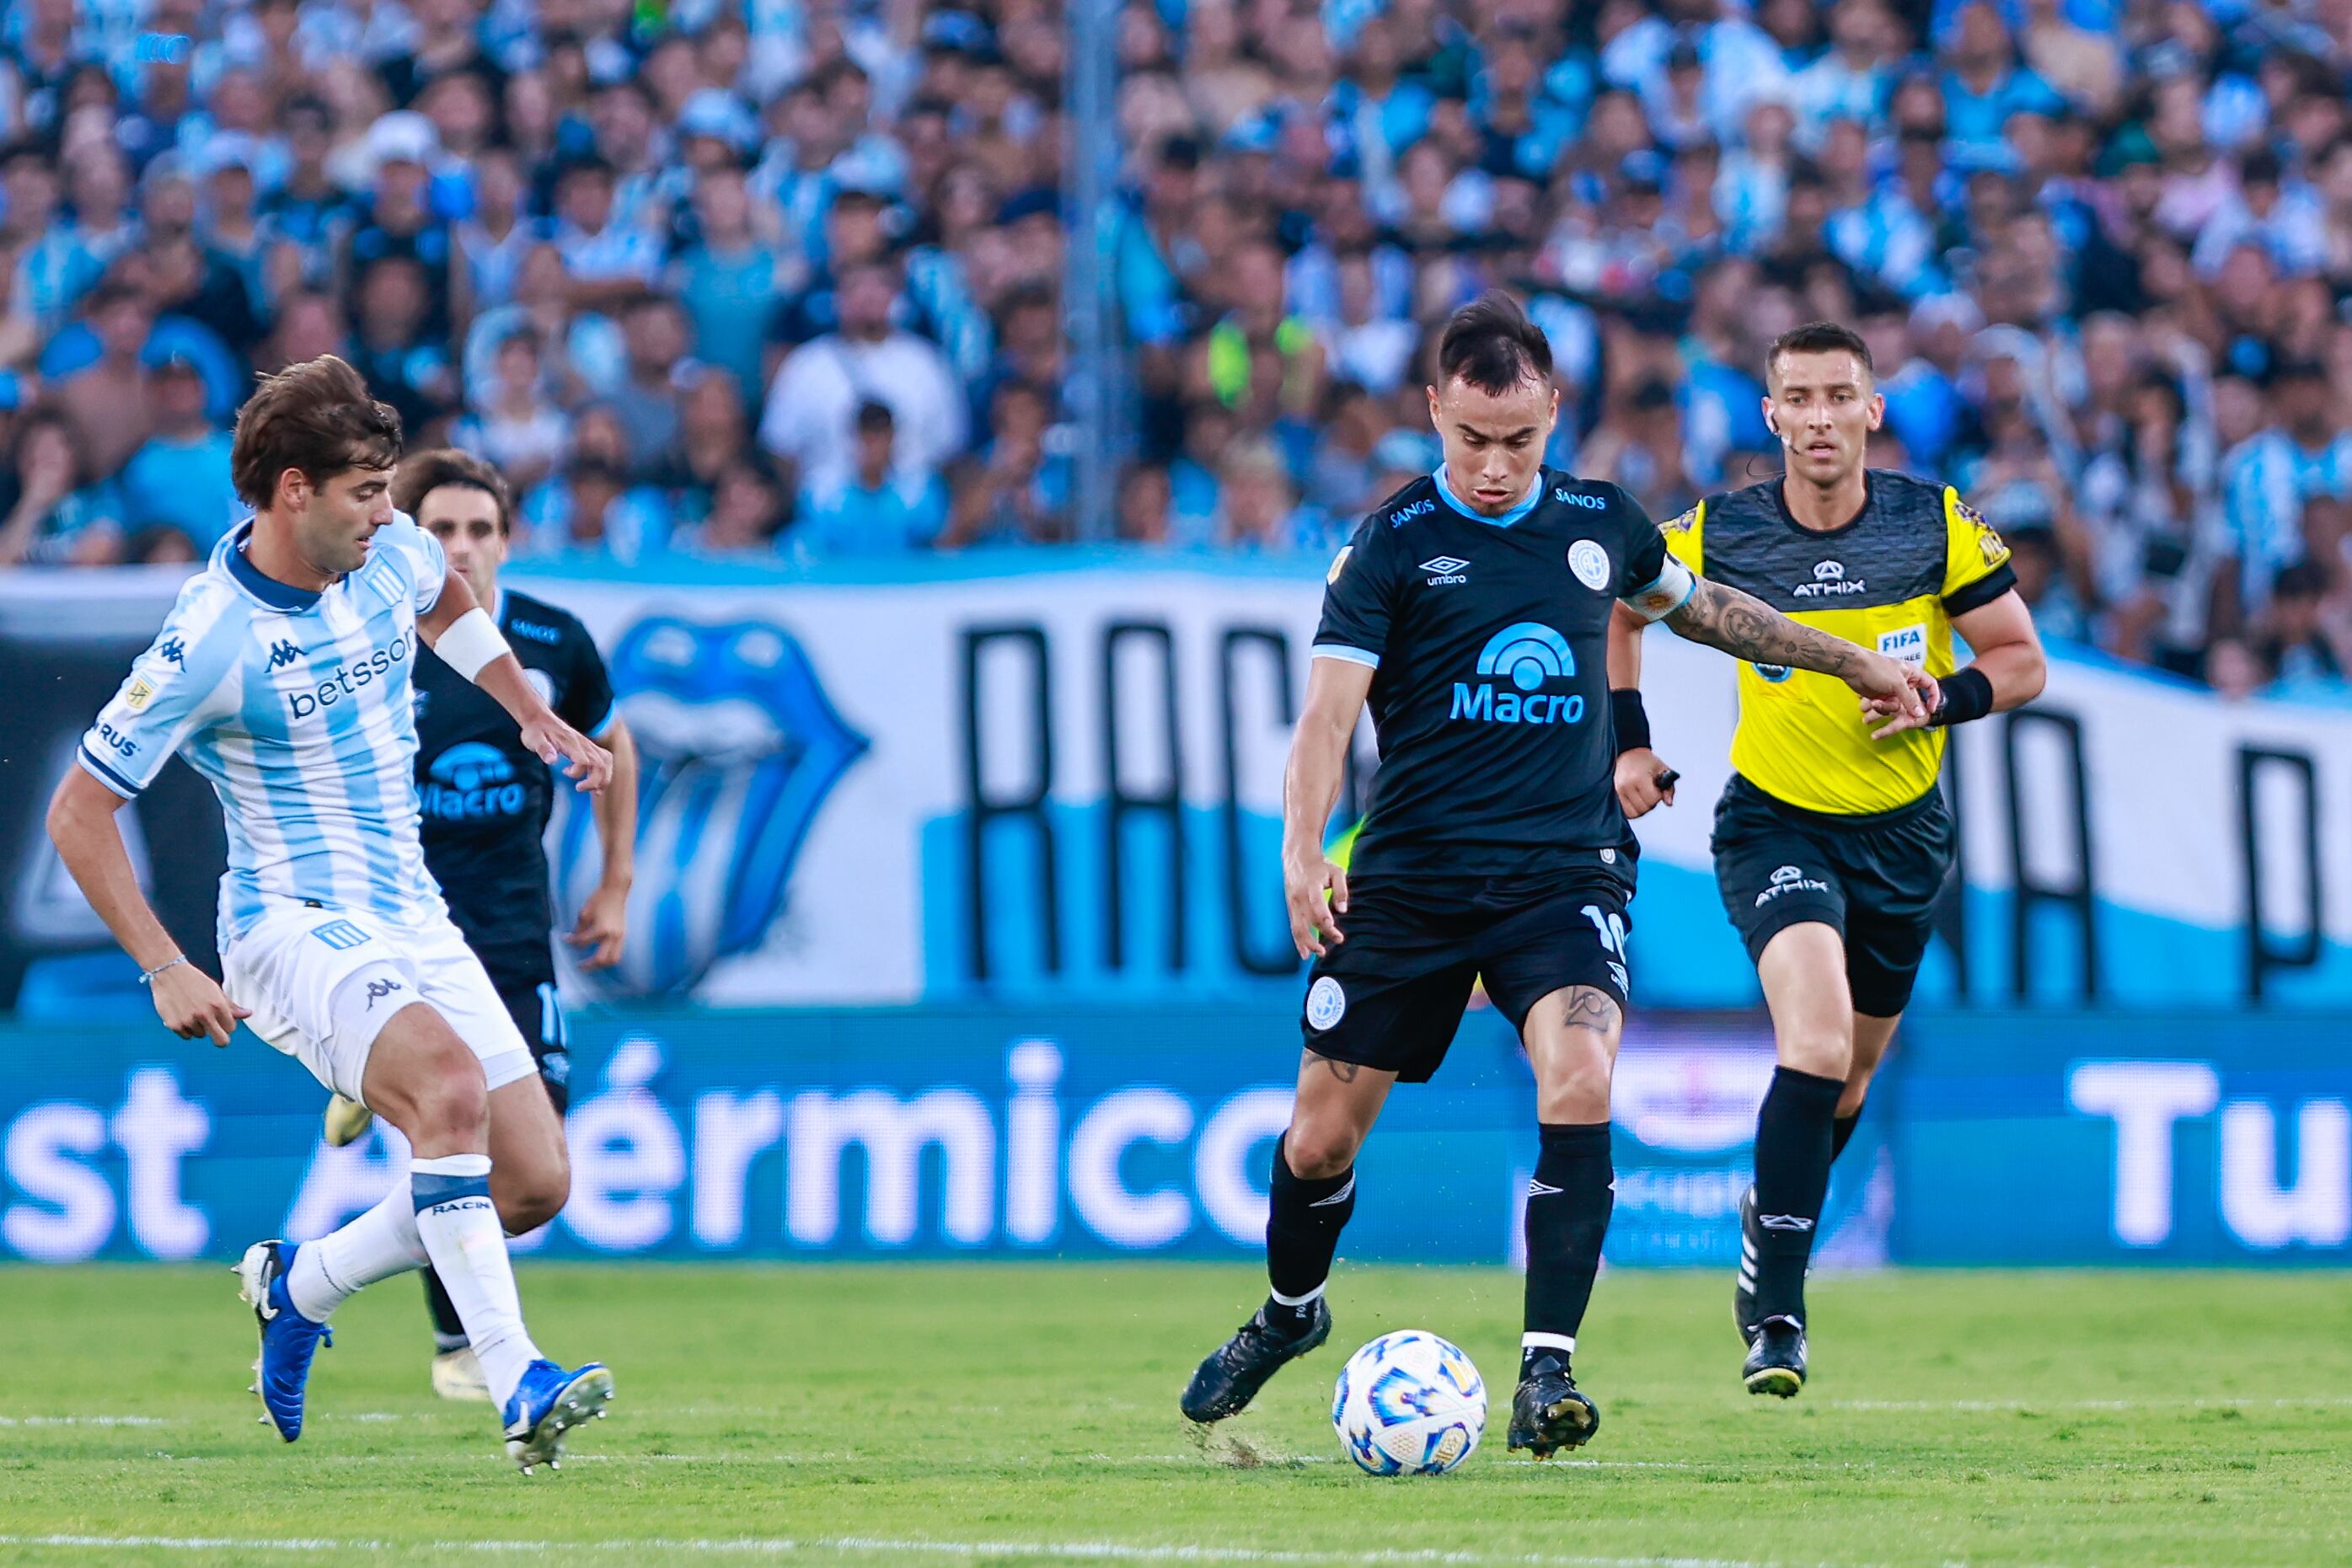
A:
(297, 708)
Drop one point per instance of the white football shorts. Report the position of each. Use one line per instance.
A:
(321, 984)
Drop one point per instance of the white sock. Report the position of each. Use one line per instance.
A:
(461, 1232)
(377, 1245)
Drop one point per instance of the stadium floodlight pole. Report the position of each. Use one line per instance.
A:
(1089, 307)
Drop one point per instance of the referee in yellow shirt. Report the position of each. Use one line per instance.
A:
(1832, 840)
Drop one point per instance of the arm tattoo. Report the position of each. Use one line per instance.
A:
(1345, 1071)
(1746, 628)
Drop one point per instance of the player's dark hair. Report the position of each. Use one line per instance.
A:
(316, 417)
(1820, 337)
(427, 472)
(1491, 344)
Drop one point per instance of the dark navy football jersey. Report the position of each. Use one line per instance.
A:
(1491, 692)
(486, 799)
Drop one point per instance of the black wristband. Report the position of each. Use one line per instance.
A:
(1633, 723)
(1968, 694)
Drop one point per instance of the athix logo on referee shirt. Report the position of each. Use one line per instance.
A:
(1830, 581)
(1519, 659)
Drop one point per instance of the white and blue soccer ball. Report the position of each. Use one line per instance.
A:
(1409, 1403)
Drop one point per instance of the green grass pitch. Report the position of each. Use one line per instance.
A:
(983, 1413)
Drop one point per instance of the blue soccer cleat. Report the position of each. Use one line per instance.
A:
(288, 1340)
(546, 1403)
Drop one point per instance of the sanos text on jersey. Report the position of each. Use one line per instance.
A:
(349, 678)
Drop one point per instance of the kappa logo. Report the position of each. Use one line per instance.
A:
(1445, 568)
(172, 653)
(1830, 581)
(379, 989)
(282, 653)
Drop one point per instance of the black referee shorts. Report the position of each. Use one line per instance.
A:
(1874, 878)
(539, 1014)
(1392, 995)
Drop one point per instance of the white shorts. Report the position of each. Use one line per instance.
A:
(321, 983)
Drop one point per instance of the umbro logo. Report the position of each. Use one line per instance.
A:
(282, 654)
(1541, 1189)
(1784, 1222)
(1445, 568)
(170, 651)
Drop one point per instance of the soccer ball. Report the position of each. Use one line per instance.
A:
(1409, 1403)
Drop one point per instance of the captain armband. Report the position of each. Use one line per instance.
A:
(471, 644)
(1665, 594)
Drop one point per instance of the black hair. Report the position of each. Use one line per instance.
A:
(1491, 344)
(1820, 337)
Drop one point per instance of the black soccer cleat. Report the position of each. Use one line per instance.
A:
(1776, 1360)
(1548, 1413)
(1743, 1291)
(1230, 1378)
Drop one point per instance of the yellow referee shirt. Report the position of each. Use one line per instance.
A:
(1891, 580)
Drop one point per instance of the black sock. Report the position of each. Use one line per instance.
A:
(1568, 1216)
(449, 1328)
(1841, 1133)
(1793, 1134)
(1302, 1231)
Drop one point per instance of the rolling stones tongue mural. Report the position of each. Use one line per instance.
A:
(738, 748)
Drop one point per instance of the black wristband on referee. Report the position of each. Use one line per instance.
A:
(1633, 723)
(1968, 694)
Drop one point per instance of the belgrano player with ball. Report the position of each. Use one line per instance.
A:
(283, 675)
(1471, 611)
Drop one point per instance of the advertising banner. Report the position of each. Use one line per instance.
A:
(2119, 1139)
(872, 1133)
(1057, 780)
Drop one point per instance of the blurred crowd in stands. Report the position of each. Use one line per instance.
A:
(785, 276)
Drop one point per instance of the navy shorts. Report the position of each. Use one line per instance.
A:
(1391, 996)
(1874, 879)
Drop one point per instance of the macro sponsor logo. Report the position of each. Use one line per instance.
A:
(1515, 666)
(1830, 581)
(346, 680)
(473, 781)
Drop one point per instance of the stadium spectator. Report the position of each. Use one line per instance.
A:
(179, 478)
(878, 510)
(2100, 252)
(812, 408)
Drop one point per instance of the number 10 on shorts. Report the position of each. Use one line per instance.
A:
(1611, 927)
